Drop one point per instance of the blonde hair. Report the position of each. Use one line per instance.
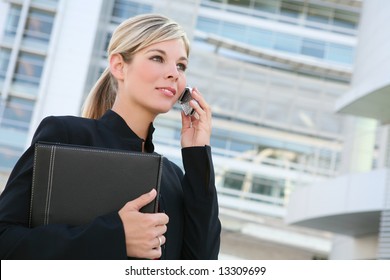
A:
(129, 37)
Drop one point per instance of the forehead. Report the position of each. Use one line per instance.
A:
(174, 48)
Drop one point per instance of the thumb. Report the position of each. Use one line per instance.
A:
(138, 203)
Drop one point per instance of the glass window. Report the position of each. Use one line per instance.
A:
(318, 14)
(11, 25)
(234, 180)
(287, 43)
(291, 9)
(267, 6)
(124, 9)
(106, 43)
(266, 186)
(28, 69)
(47, 3)
(303, 117)
(4, 59)
(38, 26)
(9, 156)
(260, 37)
(233, 31)
(208, 25)
(240, 146)
(313, 48)
(340, 53)
(330, 123)
(345, 19)
(17, 113)
(275, 111)
(218, 142)
(241, 3)
(249, 106)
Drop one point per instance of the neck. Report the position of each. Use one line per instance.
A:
(139, 121)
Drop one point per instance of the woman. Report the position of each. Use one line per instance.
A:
(147, 56)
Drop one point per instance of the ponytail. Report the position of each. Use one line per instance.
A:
(101, 97)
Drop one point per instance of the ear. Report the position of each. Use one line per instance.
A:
(116, 66)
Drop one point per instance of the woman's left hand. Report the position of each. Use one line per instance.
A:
(196, 129)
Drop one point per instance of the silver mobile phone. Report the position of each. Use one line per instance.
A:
(184, 101)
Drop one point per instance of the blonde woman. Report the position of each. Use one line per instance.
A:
(147, 57)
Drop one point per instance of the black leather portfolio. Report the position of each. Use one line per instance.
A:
(75, 184)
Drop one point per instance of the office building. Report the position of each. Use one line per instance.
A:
(355, 205)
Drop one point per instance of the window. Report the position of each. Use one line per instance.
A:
(11, 25)
(313, 48)
(233, 31)
(266, 186)
(208, 25)
(28, 71)
(124, 9)
(318, 14)
(266, 6)
(345, 19)
(4, 59)
(330, 123)
(304, 117)
(17, 113)
(240, 3)
(287, 43)
(276, 111)
(260, 37)
(240, 146)
(234, 180)
(340, 53)
(38, 26)
(291, 9)
(47, 3)
(9, 155)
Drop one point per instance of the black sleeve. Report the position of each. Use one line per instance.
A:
(103, 238)
(202, 226)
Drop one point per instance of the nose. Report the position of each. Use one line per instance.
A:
(172, 72)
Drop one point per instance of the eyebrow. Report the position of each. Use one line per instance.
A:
(164, 53)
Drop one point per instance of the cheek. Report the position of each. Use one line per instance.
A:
(182, 84)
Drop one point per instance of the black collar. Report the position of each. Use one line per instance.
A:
(116, 123)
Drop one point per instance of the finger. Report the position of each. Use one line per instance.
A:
(138, 203)
(160, 241)
(155, 253)
(185, 120)
(200, 102)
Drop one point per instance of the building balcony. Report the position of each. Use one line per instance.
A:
(372, 102)
(348, 205)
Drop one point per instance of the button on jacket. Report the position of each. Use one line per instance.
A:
(189, 199)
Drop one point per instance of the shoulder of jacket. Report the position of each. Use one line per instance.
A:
(72, 120)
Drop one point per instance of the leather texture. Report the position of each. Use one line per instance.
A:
(75, 184)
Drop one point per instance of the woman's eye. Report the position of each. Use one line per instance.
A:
(181, 67)
(157, 58)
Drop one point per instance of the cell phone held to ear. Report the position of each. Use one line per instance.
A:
(184, 101)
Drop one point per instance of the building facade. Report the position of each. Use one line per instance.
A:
(355, 206)
(271, 70)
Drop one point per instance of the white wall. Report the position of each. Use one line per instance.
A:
(349, 248)
(372, 62)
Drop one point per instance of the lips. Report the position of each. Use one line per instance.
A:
(167, 91)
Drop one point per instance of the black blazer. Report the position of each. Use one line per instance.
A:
(189, 199)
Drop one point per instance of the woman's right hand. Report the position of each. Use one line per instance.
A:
(144, 232)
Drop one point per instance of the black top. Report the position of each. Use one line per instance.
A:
(189, 199)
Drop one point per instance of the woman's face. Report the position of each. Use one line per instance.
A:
(155, 77)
